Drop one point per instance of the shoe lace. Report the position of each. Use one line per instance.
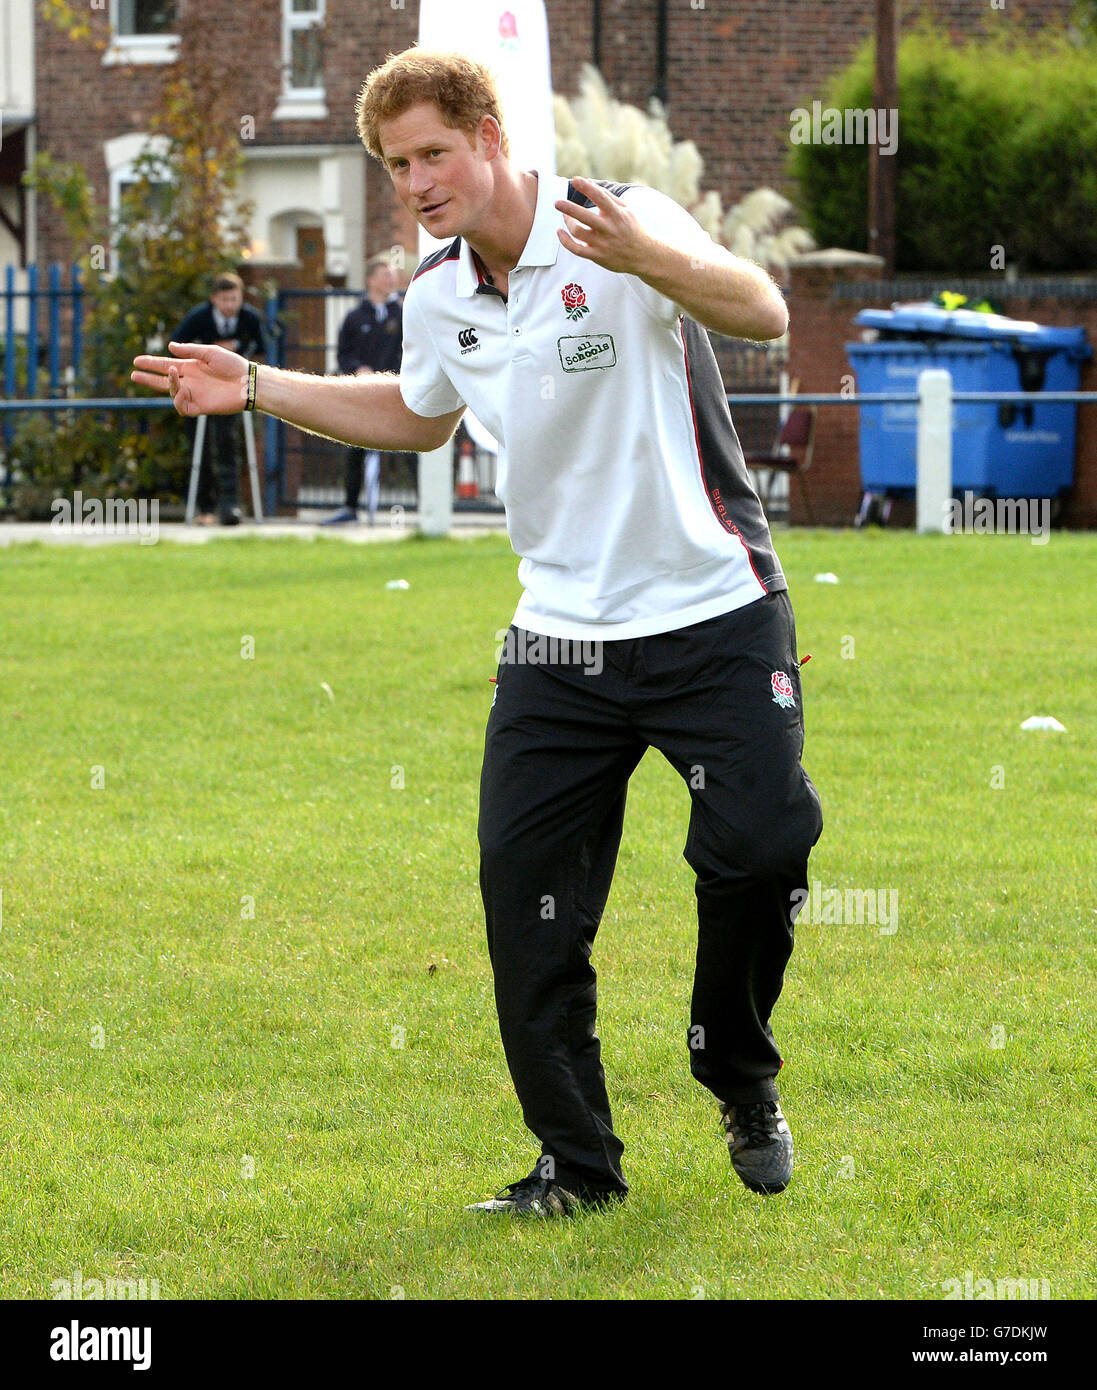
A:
(754, 1122)
(534, 1183)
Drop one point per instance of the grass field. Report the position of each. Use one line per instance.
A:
(209, 962)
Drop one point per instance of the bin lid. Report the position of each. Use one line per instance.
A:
(969, 323)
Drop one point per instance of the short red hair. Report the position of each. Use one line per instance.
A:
(463, 90)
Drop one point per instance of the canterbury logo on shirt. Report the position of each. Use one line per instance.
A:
(468, 340)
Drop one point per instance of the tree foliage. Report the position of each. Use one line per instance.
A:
(997, 148)
(178, 223)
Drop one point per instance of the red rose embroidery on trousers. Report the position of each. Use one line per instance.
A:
(782, 690)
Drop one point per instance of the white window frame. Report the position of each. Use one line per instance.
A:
(138, 48)
(121, 154)
(299, 103)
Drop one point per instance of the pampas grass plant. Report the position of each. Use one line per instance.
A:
(599, 137)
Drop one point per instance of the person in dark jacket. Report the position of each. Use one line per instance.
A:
(230, 323)
(370, 340)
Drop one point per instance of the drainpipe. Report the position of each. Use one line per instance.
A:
(659, 91)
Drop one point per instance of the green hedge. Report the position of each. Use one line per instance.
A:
(997, 147)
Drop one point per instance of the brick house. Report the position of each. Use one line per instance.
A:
(729, 72)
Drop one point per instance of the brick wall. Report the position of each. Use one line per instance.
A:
(81, 103)
(735, 69)
(822, 324)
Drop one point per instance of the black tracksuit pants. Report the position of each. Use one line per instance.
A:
(561, 744)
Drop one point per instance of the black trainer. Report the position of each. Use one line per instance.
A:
(538, 1196)
(760, 1144)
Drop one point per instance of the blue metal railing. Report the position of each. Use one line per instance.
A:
(273, 426)
(866, 398)
(90, 403)
(907, 398)
(57, 359)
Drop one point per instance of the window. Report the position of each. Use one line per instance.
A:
(144, 17)
(126, 157)
(305, 53)
(158, 199)
(302, 61)
(141, 32)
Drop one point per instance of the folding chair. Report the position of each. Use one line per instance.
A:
(798, 432)
(196, 467)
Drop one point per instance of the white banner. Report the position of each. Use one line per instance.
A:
(511, 39)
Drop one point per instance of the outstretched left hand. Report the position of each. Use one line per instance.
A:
(608, 233)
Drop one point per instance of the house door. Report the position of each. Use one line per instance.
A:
(312, 466)
(309, 331)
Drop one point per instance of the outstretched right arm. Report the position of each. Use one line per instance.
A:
(365, 410)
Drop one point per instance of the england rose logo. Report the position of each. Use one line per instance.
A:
(575, 300)
(782, 690)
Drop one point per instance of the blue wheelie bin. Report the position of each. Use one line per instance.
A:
(998, 450)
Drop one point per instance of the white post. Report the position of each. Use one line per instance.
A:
(934, 449)
(783, 383)
(195, 467)
(436, 491)
(253, 472)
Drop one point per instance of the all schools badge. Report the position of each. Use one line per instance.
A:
(586, 353)
(782, 690)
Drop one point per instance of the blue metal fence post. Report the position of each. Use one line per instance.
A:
(273, 431)
(55, 327)
(9, 355)
(32, 331)
(77, 322)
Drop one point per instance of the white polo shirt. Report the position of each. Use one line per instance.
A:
(620, 470)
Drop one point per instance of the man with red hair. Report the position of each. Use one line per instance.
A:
(571, 317)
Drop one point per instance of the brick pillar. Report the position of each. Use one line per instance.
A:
(1080, 509)
(820, 327)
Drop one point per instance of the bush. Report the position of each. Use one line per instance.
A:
(22, 355)
(997, 147)
(101, 453)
